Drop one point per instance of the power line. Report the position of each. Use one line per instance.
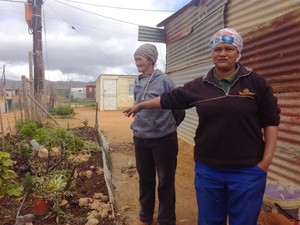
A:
(102, 29)
(106, 17)
(79, 24)
(114, 7)
(124, 70)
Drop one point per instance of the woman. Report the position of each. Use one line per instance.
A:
(155, 141)
(236, 135)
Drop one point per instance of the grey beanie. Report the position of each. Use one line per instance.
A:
(149, 51)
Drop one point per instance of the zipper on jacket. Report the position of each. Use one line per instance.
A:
(227, 92)
(247, 74)
(216, 86)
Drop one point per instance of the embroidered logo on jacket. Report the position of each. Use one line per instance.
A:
(246, 92)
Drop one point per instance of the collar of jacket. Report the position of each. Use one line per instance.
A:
(209, 77)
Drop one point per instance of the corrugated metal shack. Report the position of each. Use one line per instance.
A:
(271, 33)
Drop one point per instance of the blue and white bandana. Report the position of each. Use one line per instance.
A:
(229, 36)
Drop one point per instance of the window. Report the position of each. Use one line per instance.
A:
(131, 87)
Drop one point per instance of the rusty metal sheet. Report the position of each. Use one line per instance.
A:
(247, 16)
(194, 49)
(274, 52)
(183, 24)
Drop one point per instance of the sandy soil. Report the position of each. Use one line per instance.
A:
(116, 129)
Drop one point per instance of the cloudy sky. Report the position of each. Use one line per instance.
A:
(81, 38)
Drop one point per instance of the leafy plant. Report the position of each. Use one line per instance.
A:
(85, 122)
(54, 187)
(7, 146)
(25, 149)
(26, 129)
(90, 147)
(64, 136)
(7, 183)
(50, 137)
(42, 134)
(27, 182)
(62, 110)
(48, 186)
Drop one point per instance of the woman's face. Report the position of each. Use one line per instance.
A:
(143, 65)
(225, 56)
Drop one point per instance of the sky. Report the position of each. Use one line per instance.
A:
(81, 38)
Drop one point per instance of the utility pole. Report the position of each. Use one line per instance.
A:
(33, 17)
(39, 73)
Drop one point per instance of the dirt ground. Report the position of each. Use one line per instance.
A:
(116, 129)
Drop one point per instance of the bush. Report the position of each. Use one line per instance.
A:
(62, 111)
(27, 128)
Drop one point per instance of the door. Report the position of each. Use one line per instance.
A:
(110, 94)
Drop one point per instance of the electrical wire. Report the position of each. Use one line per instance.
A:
(102, 29)
(106, 17)
(124, 70)
(114, 7)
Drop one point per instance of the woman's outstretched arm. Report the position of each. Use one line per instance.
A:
(150, 104)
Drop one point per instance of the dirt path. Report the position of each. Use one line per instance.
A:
(116, 129)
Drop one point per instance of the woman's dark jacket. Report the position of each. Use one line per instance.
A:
(229, 133)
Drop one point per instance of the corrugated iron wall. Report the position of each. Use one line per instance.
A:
(271, 32)
(188, 34)
(247, 16)
(187, 128)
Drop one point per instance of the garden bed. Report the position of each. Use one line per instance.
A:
(86, 188)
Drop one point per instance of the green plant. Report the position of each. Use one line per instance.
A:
(27, 128)
(63, 136)
(85, 122)
(62, 110)
(7, 146)
(54, 187)
(8, 185)
(50, 137)
(48, 186)
(90, 147)
(27, 182)
(25, 149)
(42, 134)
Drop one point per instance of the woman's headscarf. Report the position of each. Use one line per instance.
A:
(228, 36)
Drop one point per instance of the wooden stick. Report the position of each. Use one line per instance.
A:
(20, 103)
(2, 130)
(42, 108)
(8, 114)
